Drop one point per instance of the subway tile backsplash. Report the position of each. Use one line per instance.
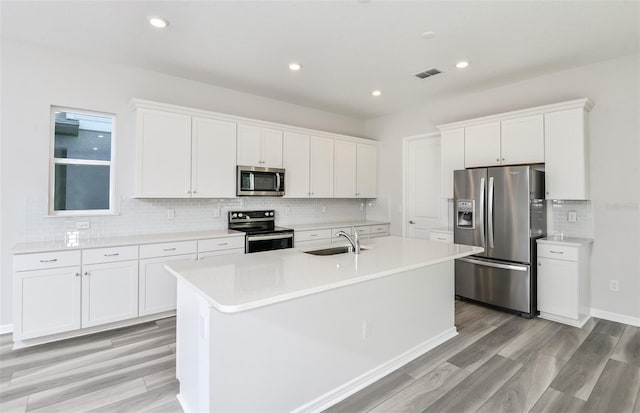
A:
(150, 216)
(558, 222)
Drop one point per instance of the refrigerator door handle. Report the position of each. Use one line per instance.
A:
(490, 213)
(482, 209)
(494, 265)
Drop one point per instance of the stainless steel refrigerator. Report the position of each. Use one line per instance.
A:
(502, 210)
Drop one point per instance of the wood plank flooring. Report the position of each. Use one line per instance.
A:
(497, 363)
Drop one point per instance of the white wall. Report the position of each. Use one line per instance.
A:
(614, 144)
(34, 78)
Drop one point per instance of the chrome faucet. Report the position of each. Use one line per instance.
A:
(355, 241)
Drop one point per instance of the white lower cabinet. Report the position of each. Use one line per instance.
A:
(563, 283)
(157, 285)
(441, 236)
(46, 301)
(109, 292)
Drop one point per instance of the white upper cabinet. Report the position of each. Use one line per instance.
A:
(523, 140)
(213, 168)
(163, 154)
(321, 167)
(295, 158)
(367, 171)
(259, 146)
(482, 145)
(566, 165)
(344, 169)
(452, 158)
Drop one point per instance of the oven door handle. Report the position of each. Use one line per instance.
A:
(268, 237)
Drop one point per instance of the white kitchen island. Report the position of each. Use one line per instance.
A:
(288, 331)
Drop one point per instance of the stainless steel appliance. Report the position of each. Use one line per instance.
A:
(260, 181)
(502, 210)
(260, 229)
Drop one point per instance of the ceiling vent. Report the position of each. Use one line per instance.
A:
(428, 73)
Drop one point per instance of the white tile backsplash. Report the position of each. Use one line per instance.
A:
(558, 219)
(149, 216)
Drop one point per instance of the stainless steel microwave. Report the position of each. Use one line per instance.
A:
(260, 181)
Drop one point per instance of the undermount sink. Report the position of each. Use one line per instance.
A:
(333, 250)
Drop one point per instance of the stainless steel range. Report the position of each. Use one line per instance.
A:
(261, 231)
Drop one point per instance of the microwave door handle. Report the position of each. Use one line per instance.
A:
(277, 188)
(490, 214)
(252, 182)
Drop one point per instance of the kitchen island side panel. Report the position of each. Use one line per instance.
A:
(301, 353)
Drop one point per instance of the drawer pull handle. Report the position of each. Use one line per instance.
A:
(53, 260)
(169, 249)
(224, 243)
(442, 239)
(313, 235)
(556, 252)
(115, 254)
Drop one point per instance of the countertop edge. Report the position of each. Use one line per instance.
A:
(329, 225)
(573, 241)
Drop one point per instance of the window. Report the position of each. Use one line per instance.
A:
(81, 173)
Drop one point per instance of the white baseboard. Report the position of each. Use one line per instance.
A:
(619, 318)
(336, 395)
(6, 328)
(183, 404)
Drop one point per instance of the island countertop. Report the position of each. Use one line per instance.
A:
(236, 283)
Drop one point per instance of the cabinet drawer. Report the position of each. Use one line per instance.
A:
(312, 235)
(441, 236)
(168, 248)
(559, 252)
(98, 255)
(380, 229)
(218, 244)
(43, 260)
(363, 230)
(209, 254)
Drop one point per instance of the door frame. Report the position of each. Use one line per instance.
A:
(405, 171)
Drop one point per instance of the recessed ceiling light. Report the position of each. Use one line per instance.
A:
(100, 136)
(295, 66)
(95, 149)
(158, 22)
(376, 93)
(428, 35)
(462, 64)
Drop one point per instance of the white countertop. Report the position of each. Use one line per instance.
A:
(557, 240)
(442, 229)
(244, 282)
(45, 246)
(328, 225)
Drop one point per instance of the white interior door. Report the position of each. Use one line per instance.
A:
(423, 207)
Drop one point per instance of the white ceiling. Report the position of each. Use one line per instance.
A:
(347, 48)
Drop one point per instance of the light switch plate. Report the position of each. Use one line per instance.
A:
(171, 214)
(572, 216)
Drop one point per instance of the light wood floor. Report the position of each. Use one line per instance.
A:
(497, 363)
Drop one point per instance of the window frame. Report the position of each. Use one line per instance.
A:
(53, 161)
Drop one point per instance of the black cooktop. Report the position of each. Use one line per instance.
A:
(255, 222)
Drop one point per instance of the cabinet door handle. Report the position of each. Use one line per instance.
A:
(115, 254)
(52, 260)
(412, 222)
(86, 273)
(195, 192)
(497, 159)
(556, 252)
(169, 249)
(77, 274)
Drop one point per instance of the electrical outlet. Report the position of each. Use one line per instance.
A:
(216, 212)
(614, 285)
(572, 216)
(171, 214)
(324, 209)
(287, 211)
(362, 207)
(83, 225)
(366, 331)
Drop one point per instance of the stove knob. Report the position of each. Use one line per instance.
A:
(240, 214)
(272, 213)
(266, 214)
(234, 215)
